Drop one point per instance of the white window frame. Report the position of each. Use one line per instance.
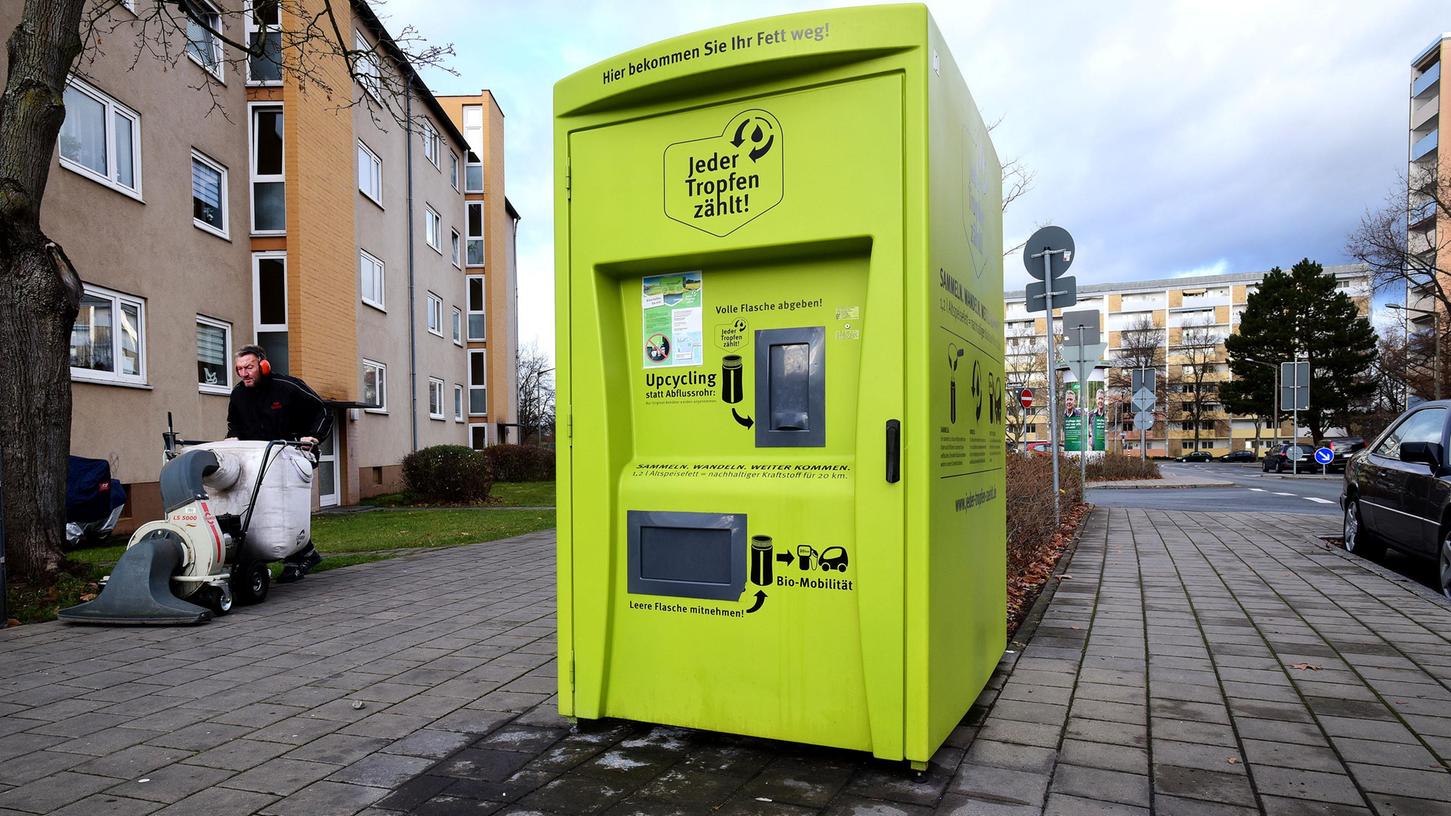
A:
(431, 147)
(458, 327)
(258, 326)
(476, 386)
(225, 387)
(458, 403)
(476, 145)
(454, 170)
(455, 245)
(113, 377)
(225, 231)
(250, 27)
(433, 228)
(370, 264)
(214, 35)
(375, 176)
(469, 311)
(434, 313)
(381, 377)
(113, 109)
(253, 176)
(469, 237)
(435, 388)
(369, 71)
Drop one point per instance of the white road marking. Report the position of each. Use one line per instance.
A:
(1322, 501)
(1278, 493)
(1258, 489)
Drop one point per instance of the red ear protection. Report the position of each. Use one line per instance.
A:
(265, 367)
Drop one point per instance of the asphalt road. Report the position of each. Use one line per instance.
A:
(1257, 492)
(1253, 491)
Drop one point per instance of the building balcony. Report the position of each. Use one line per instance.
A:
(1426, 82)
(1419, 214)
(1424, 146)
(1424, 112)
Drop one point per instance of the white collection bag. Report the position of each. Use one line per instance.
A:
(282, 519)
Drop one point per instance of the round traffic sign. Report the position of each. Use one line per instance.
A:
(1048, 239)
(1026, 397)
(1324, 456)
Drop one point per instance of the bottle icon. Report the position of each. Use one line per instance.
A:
(762, 555)
(730, 377)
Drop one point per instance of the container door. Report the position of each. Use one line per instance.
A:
(735, 353)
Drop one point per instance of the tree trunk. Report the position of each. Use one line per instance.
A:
(42, 291)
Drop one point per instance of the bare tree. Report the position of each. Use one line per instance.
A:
(1141, 345)
(536, 394)
(1406, 252)
(42, 286)
(1196, 358)
(1026, 365)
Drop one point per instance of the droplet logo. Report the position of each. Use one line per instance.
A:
(718, 184)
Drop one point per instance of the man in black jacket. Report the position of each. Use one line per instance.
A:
(266, 406)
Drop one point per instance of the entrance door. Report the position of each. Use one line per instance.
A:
(327, 471)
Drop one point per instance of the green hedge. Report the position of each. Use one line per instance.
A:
(448, 473)
(520, 463)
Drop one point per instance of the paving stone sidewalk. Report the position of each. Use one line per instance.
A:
(1193, 664)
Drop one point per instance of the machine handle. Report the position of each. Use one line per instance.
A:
(894, 451)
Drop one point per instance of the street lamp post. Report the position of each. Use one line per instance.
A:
(1435, 338)
(1275, 417)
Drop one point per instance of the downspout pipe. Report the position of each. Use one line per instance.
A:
(412, 295)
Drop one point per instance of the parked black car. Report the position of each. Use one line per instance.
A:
(1239, 456)
(1281, 457)
(1398, 492)
(1344, 449)
(1197, 456)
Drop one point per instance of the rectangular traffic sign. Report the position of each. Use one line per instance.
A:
(1295, 386)
(1065, 294)
(1143, 379)
(1080, 328)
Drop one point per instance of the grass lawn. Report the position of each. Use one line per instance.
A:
(344, 539)
(502, 494)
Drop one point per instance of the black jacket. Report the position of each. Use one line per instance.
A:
(277, 407)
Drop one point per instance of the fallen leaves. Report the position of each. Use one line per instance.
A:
(1305, 666)
(1029, 571)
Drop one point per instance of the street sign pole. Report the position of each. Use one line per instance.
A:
(1047, 256)
(1054, 246)
(1085, 433)
(1295, 426)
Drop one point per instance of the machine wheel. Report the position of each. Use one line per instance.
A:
(217, 598)
(250, 583)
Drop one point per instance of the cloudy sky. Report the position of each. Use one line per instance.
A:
(1170, 138)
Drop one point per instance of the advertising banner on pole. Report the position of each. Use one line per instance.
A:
(1085, 421)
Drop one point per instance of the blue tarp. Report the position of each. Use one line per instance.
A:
(90, 492)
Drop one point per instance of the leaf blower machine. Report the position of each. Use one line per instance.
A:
(231, 508)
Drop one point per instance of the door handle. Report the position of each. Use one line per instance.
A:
(894, 451)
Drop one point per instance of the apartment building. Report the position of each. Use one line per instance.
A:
(1206, 307)
(1426, 164)
(491, 223)
(214, 201)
